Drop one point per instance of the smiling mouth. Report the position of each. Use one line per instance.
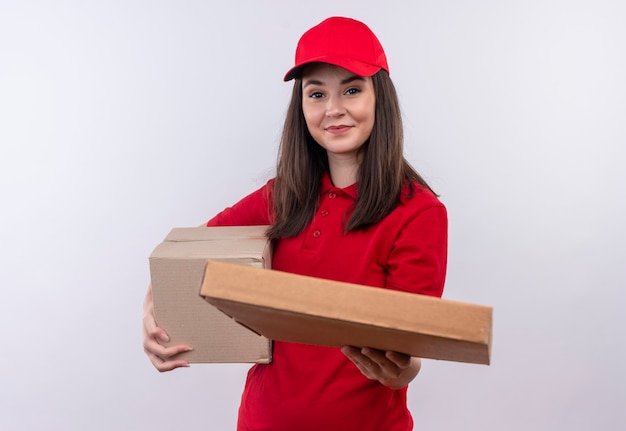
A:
(336, 130)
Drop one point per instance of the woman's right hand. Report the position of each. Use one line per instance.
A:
(160, 356)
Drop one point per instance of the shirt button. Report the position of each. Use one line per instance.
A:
(324, 212)
(316, 233)
(332, 195)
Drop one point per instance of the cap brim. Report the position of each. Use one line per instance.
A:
(357, 67)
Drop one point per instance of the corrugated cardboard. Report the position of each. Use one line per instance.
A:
(309, 310)
(177, 268)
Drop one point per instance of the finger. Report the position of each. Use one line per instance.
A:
(350, 351)
(378, 356)
(400, 359)
(153, 330)
(163, 358)
(164, 366)
(391, 365)
(387, 359)
(366, 357)
(367, 366)
(384, 367)
(164, 352)
(355, 355)
(152, 346)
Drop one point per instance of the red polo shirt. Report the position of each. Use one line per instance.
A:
(318, 388)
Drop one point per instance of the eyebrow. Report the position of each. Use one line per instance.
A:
(343, 82)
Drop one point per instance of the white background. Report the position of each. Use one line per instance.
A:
(122, 119)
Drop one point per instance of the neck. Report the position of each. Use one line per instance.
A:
(343, 170)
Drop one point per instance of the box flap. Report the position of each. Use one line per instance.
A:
(246, 244)
(213, 233)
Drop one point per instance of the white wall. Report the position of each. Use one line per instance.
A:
(122, 119)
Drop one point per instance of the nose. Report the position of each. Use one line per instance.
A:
(334, 107)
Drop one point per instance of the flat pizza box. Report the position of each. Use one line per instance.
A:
(177, 269)
(288, 307)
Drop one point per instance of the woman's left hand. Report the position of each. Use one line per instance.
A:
(392, 369)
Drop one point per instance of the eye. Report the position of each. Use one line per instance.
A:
(352, 90)
(316, 94)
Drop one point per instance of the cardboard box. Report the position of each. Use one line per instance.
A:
(177, 268)
(295, 308)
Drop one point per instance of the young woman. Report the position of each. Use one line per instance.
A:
(344, 205)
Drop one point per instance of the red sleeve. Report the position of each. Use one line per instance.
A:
(418, 259)
(253, 210)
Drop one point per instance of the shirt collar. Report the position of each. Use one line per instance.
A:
(327, 186)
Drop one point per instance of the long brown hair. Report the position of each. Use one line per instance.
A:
(301, 163)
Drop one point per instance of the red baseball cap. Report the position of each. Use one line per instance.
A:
(343, 42)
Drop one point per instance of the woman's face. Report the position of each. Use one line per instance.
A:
(338, 107)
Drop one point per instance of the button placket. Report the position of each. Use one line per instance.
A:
(321, 220)
(324, 213)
